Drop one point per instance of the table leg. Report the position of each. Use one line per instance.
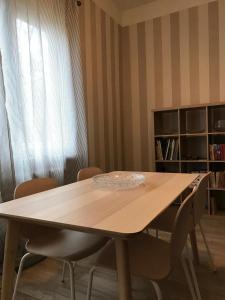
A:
(194, 246)
(11, 244)
(123, 270)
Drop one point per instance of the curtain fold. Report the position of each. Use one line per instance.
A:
(7, 179)
(43, 132)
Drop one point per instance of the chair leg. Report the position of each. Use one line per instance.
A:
(194, 246)
(90, 282)
(199, 297)
(23, 259)
(63, 272)
(72, 280)
(212, 266)
(188, 278)
(157, 290)
(148, 231)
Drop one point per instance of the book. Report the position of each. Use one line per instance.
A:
(159, 154)
(212, 180)
(217, 151)
(221, 181)
(217, 180)
(172, 149)
(167, 149)
(176, 150)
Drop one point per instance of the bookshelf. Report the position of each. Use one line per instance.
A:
(192, 139)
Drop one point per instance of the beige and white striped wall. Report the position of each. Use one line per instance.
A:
(174, 60)
(184, 55)
(100, 36)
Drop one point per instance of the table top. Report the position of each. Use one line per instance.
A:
(82, 206)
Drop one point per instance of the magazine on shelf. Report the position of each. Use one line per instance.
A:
(167, 149)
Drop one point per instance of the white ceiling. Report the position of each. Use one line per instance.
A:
(127, 4)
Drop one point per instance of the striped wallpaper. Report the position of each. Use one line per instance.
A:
(101, 65)
(174, 60)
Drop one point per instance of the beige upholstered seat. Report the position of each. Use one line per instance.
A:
(165, 221)
(152, 269)
(65, 245)
(153, 258)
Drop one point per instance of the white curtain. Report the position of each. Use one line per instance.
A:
(44, 99)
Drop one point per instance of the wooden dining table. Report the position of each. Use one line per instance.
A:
(83, 206)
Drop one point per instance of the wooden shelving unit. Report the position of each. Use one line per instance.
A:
(198, 131)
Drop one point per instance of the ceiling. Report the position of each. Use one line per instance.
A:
(127, 4)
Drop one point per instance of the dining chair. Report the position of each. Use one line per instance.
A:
(86, 173)
(83, 174)
(67, 246)
(153, 258)
(165, 221)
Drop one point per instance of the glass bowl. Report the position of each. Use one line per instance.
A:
(119, 180)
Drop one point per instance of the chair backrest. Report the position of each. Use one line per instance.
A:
(200, 198)
(181, 227)
(34, 186)
(88, 173)
(28, 188)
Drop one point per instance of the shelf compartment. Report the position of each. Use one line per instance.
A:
(171, 167)
(217, 147)
(166, 122)
(216, 166)
(217, 177)
(217, 139)
(167, 149)
(216, 118)
(193, 120)
(218, 199)
(193, 148)
(196, 167)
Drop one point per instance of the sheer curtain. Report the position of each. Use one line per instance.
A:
(44, 124)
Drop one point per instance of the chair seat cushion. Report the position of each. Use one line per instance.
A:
(65, 244)
(149, 257)
(165, 220)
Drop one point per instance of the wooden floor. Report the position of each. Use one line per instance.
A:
(43, 280)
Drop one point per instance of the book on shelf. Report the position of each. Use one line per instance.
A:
(159, 154)
(176, 150)
(167, 149)
(212, 180)
(217, 151)
(172, 149)
(217, 179)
